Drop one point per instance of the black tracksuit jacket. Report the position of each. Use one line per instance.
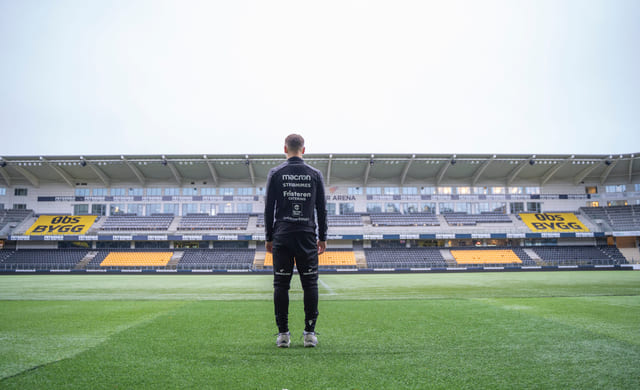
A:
(294, 192)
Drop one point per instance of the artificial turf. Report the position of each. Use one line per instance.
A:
(490, 330)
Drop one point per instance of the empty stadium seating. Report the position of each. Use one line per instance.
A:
(464, 219)
(217, 259)
(485, 256)
(404, 258)
(214, 222)
(396, 219)
(619, 218)
(136, 259)
(44, 259)
(579, 255)
(13, 217)
(137, 223)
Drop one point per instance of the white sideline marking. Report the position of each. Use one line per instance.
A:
(326, 286)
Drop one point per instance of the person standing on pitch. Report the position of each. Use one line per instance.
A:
(294, 200)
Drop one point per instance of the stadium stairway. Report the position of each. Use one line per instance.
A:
(631, 254)
(448, 258)
(534, 256)
(361, 259)
(258, 259)
(86, 260)
(175, 259)
(173, 227)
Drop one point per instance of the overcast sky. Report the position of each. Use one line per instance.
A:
(91, 77)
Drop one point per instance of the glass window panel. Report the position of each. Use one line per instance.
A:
(245, 191)
(331, 208)
(208, 208)
(118, 192)
(534, 207)
(464, 190)
(189, 191)
(516, 207)
(20, 192)
(392, 207)
(137, 209)
(480, 190)
(428, 208)
(99, 209)
(374, 191)
(246, 208)
(374, 207)
(154, 208)
(100, 192)
(116, 208)
(3, 191)
(172, 191)
(82, 192)
(80, 209)
(391, 191)
(446, 208)
(497, 190)
(346, 208)
(409, 208)
(445, 190)
(409, 190)
(261, 191)
(189, 208)
(516, 190)
(136, 191)
(354, 191)
(171, 208)
(226, 191)
(427, 190)
(532, 190)
(154, 191)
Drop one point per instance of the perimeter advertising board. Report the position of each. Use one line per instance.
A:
(553, 222)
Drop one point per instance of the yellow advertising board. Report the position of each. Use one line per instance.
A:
(61, 225)
(553, 222)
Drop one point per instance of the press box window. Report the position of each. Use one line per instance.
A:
(82, 192)
(3, 191)
(80, 209)
(20, 192)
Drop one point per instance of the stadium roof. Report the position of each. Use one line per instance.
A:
(366, 169)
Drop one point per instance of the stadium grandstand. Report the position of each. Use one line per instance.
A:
(391, 212)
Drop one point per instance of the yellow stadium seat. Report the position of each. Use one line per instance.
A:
(137, 259)
(327, 258)
(483, 256)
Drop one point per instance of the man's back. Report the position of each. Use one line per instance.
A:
(295, 191)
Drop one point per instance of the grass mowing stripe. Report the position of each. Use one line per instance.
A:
(36, 333)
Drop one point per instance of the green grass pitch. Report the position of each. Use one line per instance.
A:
(541, 330)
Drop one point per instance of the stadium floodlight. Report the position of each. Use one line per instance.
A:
(371, 162)
(83, 162)
(453, 160)
(164, 160)
(3, 163)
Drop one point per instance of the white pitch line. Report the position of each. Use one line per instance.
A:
(326, 286)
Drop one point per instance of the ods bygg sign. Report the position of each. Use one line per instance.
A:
(61, 225)
(553, 222)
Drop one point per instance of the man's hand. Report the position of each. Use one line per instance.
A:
(322, 245)
(268, 246)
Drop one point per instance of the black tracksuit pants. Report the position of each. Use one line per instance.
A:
(301, 248)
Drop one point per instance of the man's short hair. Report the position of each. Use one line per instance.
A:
(294, 142)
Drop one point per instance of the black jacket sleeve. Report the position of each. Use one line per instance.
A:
(321, 209)
(269, 207)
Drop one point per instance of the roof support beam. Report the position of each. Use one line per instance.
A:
(65, 176)
(5, 176)
(405, 170)
(585, 172)
(106, 180)
(607, 172)
(174, 171)
(367, 170)
(251, 172)
(516, 171)
(478, 173)
(327, 179)
(28, 175)
(631, 168)
(212, 170)
(443, 170)
(549, 174)
(135, 171)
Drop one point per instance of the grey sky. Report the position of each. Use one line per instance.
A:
(125, 77)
